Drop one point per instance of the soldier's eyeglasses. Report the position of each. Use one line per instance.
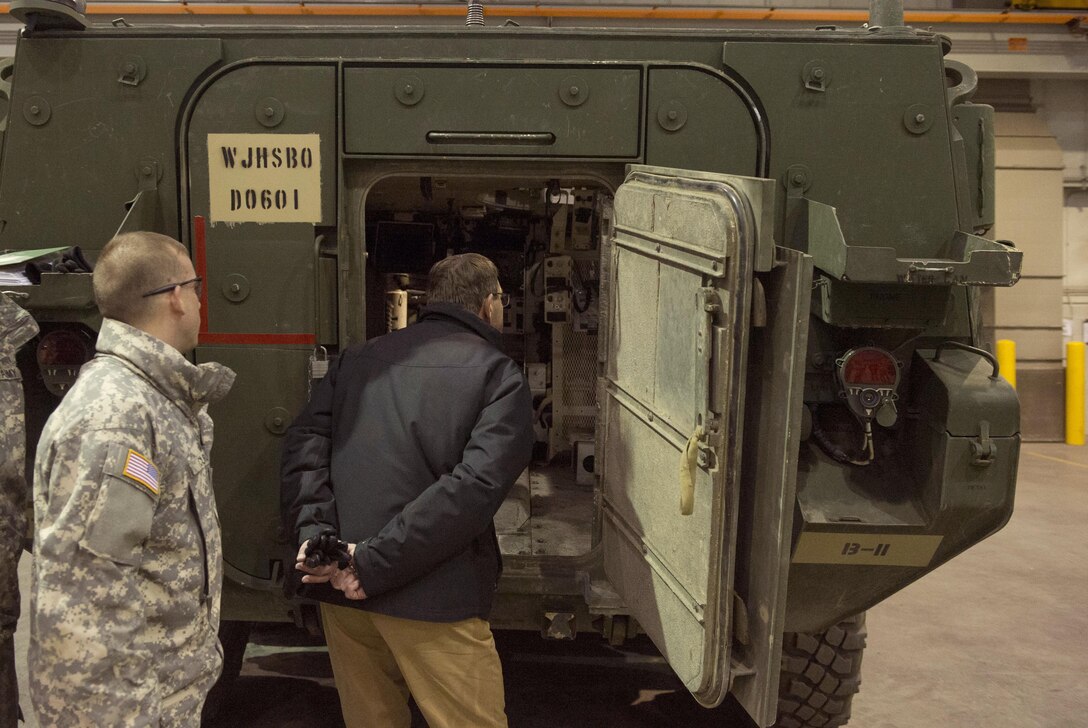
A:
(198, 286)
(504, 299)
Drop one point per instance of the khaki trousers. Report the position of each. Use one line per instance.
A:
(451, 668)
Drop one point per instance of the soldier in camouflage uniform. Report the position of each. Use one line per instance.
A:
(127, 569)
(16, 328)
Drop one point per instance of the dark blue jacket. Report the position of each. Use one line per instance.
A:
(408, 447)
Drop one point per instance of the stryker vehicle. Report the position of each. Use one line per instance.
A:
(745, 271)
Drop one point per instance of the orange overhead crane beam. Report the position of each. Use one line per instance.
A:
(793, 15)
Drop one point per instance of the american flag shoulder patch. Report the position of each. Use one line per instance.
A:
(143, 471)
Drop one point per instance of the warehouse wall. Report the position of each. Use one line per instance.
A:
(1042, 205)
(1064, 106)
(1029, 212)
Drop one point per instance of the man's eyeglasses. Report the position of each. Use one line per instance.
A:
(504, 299)
(198, 286)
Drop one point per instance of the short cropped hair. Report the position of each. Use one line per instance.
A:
(466, 279)
(130, 265)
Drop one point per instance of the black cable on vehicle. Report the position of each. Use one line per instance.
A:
(832, 450)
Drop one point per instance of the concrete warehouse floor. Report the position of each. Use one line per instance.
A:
(998, 638)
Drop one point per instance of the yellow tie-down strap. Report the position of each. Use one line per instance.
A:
(689, 461)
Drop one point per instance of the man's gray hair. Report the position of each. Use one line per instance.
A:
(129, 266)
(466, 279)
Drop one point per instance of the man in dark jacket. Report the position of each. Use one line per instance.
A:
(406, 449)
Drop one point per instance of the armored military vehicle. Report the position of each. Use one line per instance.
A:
(744, 266)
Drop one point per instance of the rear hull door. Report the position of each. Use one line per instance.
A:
(681, 259)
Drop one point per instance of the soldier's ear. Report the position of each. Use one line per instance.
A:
(175, 300)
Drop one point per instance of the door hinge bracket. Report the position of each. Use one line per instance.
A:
(740, 621)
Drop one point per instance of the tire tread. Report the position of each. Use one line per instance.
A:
(820, 674)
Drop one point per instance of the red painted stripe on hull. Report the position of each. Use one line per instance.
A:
(256, 339)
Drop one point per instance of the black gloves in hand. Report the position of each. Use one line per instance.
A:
(326, 548)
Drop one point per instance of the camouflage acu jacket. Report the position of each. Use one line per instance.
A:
(16, 328)
(128, 560)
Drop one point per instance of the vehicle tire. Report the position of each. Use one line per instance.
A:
(820, 674)
(234, 636)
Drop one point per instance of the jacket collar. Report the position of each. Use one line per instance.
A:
(461, 315)
(187, 384)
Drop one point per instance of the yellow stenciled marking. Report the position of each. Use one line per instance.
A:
(1057, 460)
(142, 470)
(868, 549)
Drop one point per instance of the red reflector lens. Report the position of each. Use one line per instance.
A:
(870, 367)
(63, 349)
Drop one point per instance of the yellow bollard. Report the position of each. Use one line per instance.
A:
(1006, 360)
(1074, 393)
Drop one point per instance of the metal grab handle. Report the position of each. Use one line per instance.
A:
(974, 350)
(915, 268)
(689, 460)
(525, 138)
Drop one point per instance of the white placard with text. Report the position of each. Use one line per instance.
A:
(264, 178)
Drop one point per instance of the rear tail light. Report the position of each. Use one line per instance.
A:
(870, 377)
(60, 355)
